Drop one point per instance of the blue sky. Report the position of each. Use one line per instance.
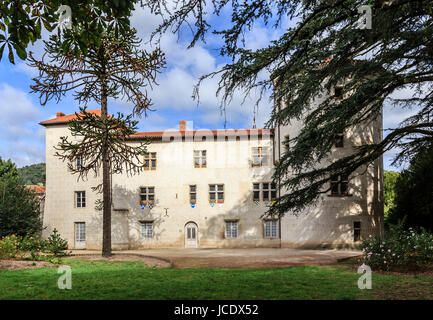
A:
(22, 139)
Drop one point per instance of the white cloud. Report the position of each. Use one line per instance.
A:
(21, 139)
(185, 66)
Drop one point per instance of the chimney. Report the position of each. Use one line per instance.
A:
(59, 114)
(182, 125)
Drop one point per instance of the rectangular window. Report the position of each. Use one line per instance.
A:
(271, 228)
(147, 195)
(79, 165)
(80, 231)
(192, 193)
(200, 159)
(339, 184)
(150, 161)
(356, 231)
(231, 229)
(147, 230)
(267, 189)
(260, 156)
(80, 199)
(256, 191)
(216, 193)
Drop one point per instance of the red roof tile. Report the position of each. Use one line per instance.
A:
(191, 133)
(36, 188)
(61, 118)
(65, 118)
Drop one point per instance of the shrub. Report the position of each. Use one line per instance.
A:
(56, 245)
(33, 245)
(9, 247)
(398, 248)
(19, 206)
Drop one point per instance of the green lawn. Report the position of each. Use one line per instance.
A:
(132, 280)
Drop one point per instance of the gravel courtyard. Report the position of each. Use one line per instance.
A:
(239, 258)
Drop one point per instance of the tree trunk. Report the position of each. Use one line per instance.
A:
(106, 183)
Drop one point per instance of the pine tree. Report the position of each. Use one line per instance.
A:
(114, 67)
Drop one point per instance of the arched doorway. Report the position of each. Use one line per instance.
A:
(191, 235)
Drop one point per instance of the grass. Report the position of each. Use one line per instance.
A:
(133, 280)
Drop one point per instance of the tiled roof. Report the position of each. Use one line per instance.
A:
(192, 133)
(36, 188)
(62, 118)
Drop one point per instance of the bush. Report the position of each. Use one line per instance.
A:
(33, 245)
(56, 245)
(13, 246)
(9, 247)
(398, 248)
(19, 206)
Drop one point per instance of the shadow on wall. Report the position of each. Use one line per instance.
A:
(125, 231)
(329, 221)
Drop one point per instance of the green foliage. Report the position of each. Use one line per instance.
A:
(19, 206)
(33, 174)
(133, 280)
(56, 245)
(13, 246)
(320, 45)
(398, 248)
(34, 245)
(413, 202)
(389, 182)
(23, 21)
(112, 67)
(8, 170)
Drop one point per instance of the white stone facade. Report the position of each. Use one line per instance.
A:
(235, 222)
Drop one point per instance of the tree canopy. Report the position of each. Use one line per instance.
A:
(33, 174)
(112, 68)
(19, 206)
(325, 44)
(389, 184)
(413, 204)
(22, 22)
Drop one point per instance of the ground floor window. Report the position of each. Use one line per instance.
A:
(356, 231)
(147, 229)
(231, 229)
(80, 231)
(271, 228)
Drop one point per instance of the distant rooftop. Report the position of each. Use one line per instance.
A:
(36, 188)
